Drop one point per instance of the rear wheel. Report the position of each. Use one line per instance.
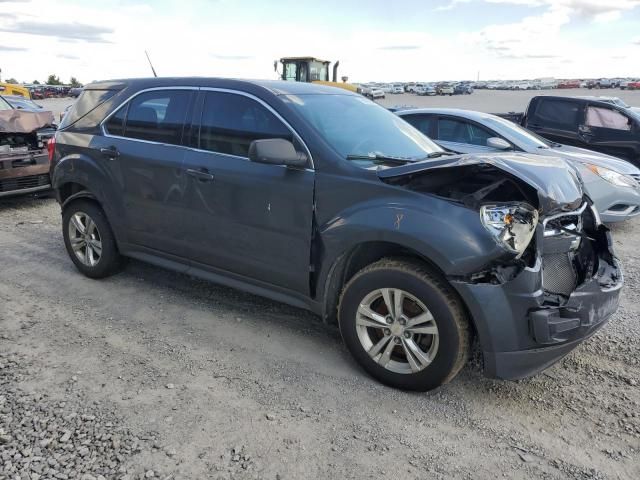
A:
(404, 325)
(89, 240)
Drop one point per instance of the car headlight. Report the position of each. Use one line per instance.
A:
(612, 177)
(512, 226)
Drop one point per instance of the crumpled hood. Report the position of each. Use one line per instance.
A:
(22, 121)
(557, 182)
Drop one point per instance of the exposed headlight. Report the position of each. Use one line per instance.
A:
(512, 226)
(612, 177)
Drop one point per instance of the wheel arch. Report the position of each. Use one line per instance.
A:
(359, 256)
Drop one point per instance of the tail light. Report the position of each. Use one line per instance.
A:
(51, 148)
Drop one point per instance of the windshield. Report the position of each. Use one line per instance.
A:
(357, 127)
(519, 135)
(4, 105)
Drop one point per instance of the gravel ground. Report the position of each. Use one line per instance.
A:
(502, 101)
(152, 374)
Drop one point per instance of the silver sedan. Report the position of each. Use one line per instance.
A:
(611, 183)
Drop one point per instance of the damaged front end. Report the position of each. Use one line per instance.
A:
(24, 162)
(554, 280)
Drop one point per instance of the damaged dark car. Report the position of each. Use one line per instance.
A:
(24, 159)
(322, 199)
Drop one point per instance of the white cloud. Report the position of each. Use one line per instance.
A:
(180, 44)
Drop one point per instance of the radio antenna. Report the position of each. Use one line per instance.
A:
(151, 64)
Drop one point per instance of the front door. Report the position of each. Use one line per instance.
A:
(250, 219)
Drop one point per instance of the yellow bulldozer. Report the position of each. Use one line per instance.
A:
(312, 70)
(13, 89)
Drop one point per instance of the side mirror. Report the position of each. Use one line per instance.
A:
(276, 151)
(498, 143)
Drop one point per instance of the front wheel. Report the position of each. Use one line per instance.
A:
(404, 325)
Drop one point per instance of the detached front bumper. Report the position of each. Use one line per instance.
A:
(522, 332)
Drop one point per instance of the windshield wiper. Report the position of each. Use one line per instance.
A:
(381, 158)
(439, 154)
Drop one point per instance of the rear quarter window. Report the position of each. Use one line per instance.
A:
(88, 101)
(560, 114)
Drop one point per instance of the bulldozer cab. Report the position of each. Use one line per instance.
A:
(304, 69)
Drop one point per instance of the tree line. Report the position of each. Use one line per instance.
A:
(51, 80)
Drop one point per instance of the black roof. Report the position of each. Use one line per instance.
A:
(277, 87)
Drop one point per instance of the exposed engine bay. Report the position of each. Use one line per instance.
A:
(568, 245)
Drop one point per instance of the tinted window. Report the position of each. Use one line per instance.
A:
(115, 125)
(459, 131)
(230, 122)
(557, 114)
(424, 123)
(158, 116)
(87, 101)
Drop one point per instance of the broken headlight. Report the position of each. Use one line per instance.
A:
(512, 226)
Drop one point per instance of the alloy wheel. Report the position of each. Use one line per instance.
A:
(397, 330)
(85, 239)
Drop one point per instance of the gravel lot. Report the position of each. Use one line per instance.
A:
(152, 374)
(502, 101)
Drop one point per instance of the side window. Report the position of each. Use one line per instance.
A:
(607, 118)
(452, 130)
(558, 114)
(230, 122)
(156, 116)
(115, 125)
(424, 123)
(479, 135)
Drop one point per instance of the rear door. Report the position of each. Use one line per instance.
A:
(610, 131)
(250, 219)
(557, 119)
(142, 148)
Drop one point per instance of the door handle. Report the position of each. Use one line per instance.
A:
(111, 152)
(202, 175)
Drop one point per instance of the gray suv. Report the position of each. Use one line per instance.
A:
(320, 198)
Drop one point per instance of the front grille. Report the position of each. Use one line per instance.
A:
(567, 259)
(22, 183)
(558, 274)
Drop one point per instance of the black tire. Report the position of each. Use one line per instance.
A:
(110, 260)
(436, 294)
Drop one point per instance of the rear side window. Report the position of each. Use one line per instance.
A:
(230, 122)
(558, 114)
(459, 131)
(156, 116)
(424, 123)
(88, 101)
(115, 124)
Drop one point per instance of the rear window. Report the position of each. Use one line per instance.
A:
(88, 101)
(559, 114)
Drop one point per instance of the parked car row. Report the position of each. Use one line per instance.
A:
(316, 197)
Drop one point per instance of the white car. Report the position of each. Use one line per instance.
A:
(445, 90)
(387, 88)
(398, 89)
(376, 92)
